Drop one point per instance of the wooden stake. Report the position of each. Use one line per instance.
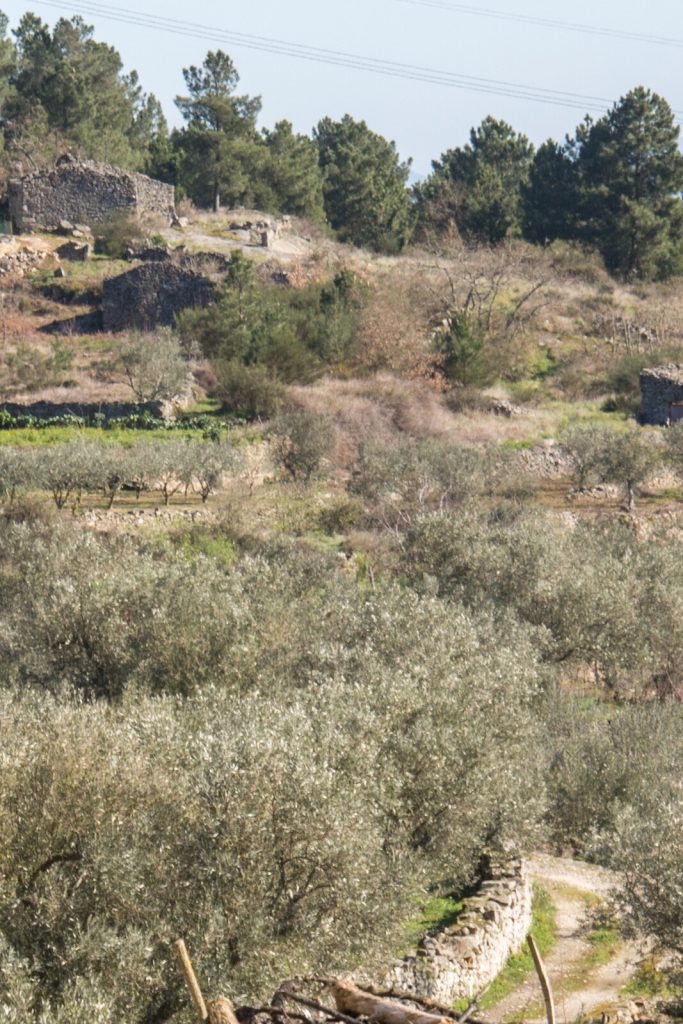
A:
(544, 980)
(191, 980)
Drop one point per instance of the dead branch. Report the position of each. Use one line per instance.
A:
(314, 1004)
(352, 1000)
(429, 1004)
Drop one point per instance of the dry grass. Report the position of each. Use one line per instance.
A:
(384, 407)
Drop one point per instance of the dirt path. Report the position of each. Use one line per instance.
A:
(578, 987)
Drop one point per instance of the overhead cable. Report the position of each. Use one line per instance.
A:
(339, 58)
(532, 19)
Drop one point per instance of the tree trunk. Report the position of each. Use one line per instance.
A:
(357, 1003)
(216, 197)
(631, 496)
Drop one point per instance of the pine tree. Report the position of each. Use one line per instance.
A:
(631, 175)
(220, 147)
(480, 184)
(366, 199)
(290, 180)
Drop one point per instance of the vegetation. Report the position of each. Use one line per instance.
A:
(360, 651)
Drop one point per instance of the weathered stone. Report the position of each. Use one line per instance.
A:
(77, 251)
(153, 294)
(460, 961)
(84, 191)
(661, 394)
(92, 412)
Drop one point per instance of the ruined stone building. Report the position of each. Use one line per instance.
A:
(154, 292)
(661, 395)
(84, 192)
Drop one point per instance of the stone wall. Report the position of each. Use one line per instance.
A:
(659, 387)
(152, 294)
(84, 192)
(89, 411)
(461, 961)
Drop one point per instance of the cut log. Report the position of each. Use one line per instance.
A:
(357, 1003)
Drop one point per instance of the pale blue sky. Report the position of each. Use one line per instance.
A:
(424, 119)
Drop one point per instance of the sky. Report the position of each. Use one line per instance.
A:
(423, 118)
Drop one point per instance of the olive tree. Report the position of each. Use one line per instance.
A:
(409, 477)
(299, 442)
(626, 458)
(66, 470)
(338, 756)
(154, 366)
(206, 464)
(17, 471)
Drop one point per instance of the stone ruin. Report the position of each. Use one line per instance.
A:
(154, 292)
(85, 192)
(661, 395)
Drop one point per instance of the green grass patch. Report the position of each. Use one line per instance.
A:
(31, 437)
(603, 942)
(648, 982)
(435, 913)
(520, 965)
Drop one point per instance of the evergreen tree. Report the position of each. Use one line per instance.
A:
(479, 184)
(366, 200)
(290, 179)
(7, 60)
(220, 147)
(631, 176)
(550, 197)
(79, 85)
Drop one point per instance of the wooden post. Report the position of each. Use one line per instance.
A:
(191, 979)
(544, 980)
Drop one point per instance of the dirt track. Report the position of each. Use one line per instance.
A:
(577, 991)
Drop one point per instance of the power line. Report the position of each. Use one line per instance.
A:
(530, 19)
(339, 58)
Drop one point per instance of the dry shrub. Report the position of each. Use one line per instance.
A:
(376, 408)
(394, 327)
(380, 409)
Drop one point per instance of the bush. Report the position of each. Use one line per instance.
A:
(251, 392)
(116, 234)
(299, 442)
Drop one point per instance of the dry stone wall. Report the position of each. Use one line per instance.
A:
(459, 962)
(92, 412)
(660, 387)
(84, 192)
(152, 294)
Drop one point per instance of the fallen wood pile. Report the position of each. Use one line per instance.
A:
(336, 1001)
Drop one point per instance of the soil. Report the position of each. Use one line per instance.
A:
(578, 990)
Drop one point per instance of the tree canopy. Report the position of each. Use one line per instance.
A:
(479, 185)
(364, 185)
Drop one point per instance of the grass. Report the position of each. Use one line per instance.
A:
(435, 913)
(603, 942)
(520, 965)
(28, 437)
(648, 982)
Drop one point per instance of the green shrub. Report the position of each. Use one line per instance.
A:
(342, 515)
(251, 392)
(116, 234)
